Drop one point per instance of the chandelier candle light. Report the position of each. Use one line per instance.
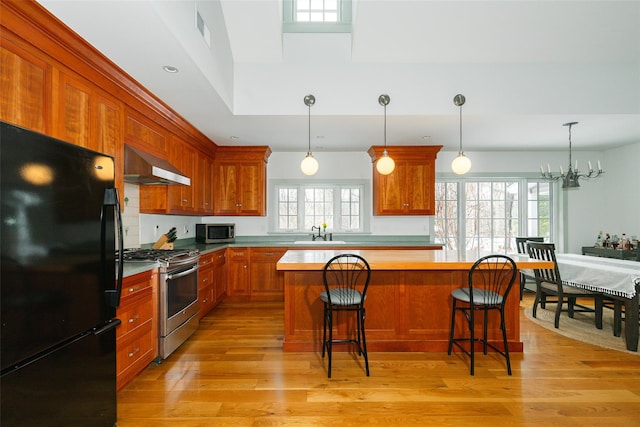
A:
(309, 164)
(385, 164)
(570, 179)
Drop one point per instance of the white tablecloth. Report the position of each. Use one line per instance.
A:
(609, 276)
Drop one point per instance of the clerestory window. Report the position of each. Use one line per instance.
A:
(316, 16)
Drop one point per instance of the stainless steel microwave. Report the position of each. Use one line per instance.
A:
(215, 233)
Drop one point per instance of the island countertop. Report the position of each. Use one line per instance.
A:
(408, 259)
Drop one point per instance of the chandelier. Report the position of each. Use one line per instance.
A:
(570, 179)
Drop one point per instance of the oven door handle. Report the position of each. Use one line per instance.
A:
(182, 273)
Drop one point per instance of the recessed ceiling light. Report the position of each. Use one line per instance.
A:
(426, 137)
(234, 137)
(170, 69)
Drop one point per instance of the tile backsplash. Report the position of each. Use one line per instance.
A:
(131, 215)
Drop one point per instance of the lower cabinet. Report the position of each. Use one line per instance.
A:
(267, 283)
(136, 343)
(212, 284)
(253, 275)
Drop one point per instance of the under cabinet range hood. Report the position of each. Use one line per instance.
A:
(141, 167)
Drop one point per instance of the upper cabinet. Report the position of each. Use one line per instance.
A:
(240, 181)
(53, 82)
(410, 188)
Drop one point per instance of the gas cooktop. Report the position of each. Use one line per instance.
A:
(164, 255)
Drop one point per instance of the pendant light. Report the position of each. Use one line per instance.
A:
(309, 164)
(385, 164)
(461, 164)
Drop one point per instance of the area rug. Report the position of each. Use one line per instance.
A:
(582, 328)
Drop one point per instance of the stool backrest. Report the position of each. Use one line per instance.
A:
(346, 276)
(494, 276)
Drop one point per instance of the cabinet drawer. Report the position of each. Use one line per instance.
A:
(238, 254)
(205, 277)
(135, 285)
(135, 314)
(267, 254)
(206, 260)
(134, 354)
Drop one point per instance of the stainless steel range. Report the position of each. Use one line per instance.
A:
(177, 294)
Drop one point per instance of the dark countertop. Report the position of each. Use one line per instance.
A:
(288, 241)
(293, 242)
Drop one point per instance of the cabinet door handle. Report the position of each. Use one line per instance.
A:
(134, 288)
(134, 318)
(134, 352)
(205, 280)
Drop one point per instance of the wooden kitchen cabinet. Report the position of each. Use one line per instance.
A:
(410, 188)
(91, 119)
(196, 199)
(238, 274)
(252, 274)
(136, 336)
(240, 181)
(182, 198)
(267, 283)
(204, 183)
(212, 284)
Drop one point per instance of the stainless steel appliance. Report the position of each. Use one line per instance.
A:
(215, 233)
(177, 294)
(59, 292)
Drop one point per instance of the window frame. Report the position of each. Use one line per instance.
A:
(290, 25)
(523, 206)
(364, 203)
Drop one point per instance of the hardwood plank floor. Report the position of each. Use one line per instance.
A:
(232, 372)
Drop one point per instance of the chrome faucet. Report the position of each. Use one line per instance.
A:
(320, 235)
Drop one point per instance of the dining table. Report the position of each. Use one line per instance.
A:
(614, 278)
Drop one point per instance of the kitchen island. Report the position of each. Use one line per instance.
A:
(408, 301)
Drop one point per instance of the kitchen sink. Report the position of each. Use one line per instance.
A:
(319, 242)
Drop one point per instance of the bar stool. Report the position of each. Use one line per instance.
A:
(346, 279)
(489, 281)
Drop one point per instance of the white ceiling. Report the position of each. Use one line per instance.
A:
(525, 67)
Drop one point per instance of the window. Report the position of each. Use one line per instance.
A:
(488, 214)
(301, 206)
(316, 10)
(316, 16)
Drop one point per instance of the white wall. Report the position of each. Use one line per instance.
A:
(609, 203)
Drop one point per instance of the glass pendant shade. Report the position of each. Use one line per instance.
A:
(309, 165)
(385, 164)
(461, 164)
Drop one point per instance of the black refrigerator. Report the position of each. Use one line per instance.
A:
(60, 225)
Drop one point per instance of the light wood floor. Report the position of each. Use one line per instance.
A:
(234, 373)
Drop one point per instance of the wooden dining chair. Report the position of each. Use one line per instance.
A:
(549, 284)
(488, 284)
(521, 245)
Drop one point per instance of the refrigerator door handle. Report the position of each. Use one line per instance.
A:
(111, 201)
(107, 327)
